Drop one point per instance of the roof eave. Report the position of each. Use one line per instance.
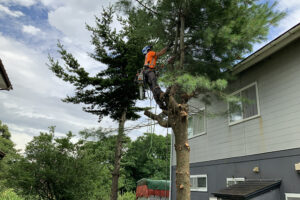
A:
(262, 191)
(5, 76)
(258, 192)
(269, 49)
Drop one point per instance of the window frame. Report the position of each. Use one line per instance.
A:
(257, 104)
(204, 118)
(234, 179)
(200, 189)
(292, 195)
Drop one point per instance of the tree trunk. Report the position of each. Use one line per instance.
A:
(118, 154)
(180, 128)
(182, 24)
(182, 148)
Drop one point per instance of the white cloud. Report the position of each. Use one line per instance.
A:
(20, 139)
(35, 102)
(288, 4)
(26, 3)
(9, 12)
(76, 14)
(52, 3)
(30, 29)
(291, 7)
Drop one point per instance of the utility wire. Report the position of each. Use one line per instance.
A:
(131, 128)
(146, 7)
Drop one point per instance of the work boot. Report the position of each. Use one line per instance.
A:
(160, 102)
(164, 97)
(161, 105)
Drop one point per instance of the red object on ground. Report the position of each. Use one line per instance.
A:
(143, 191)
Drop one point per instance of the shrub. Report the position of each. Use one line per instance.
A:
(127, 196)
(9, 195)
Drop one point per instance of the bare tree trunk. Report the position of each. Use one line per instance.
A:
(182, 158)
(182, 24)
(176, 37)
(181, 135)
(118, 154)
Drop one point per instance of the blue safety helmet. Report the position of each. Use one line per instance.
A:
(146, 49)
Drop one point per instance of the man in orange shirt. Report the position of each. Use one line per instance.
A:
(149, 73)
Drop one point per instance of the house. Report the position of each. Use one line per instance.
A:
(4, 80)
(252, 152)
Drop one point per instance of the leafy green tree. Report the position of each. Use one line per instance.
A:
(4, 132)
(7, 147)
(56, 169)
(111, 92)
(209, 38)
(147, 157)
(99, 146)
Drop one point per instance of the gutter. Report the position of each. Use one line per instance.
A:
(269, 49)
(6, 79)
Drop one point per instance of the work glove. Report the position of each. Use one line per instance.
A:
(171, 60)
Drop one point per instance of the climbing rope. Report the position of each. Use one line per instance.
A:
(152, 127)
(150, 97)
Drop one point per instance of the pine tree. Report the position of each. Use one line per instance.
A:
(209, 37)
(111, 92)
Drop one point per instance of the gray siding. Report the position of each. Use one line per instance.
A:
(275, 166)
(277, 128)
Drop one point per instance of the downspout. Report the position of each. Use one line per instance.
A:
(171, 161)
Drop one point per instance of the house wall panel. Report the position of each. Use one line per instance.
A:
(277, 128)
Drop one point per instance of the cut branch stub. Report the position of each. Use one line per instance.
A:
(183, 113)
(187, 146)
(181, 187)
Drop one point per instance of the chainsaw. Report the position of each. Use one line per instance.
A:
(140, 82)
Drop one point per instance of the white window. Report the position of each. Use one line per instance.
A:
(233, 181)
(247, 107)
(292, 196)
(196, 124)
(214, 198)
(199, 183)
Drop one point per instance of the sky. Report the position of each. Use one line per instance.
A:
(29, 31)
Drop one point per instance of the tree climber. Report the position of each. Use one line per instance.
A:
(149, 73)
